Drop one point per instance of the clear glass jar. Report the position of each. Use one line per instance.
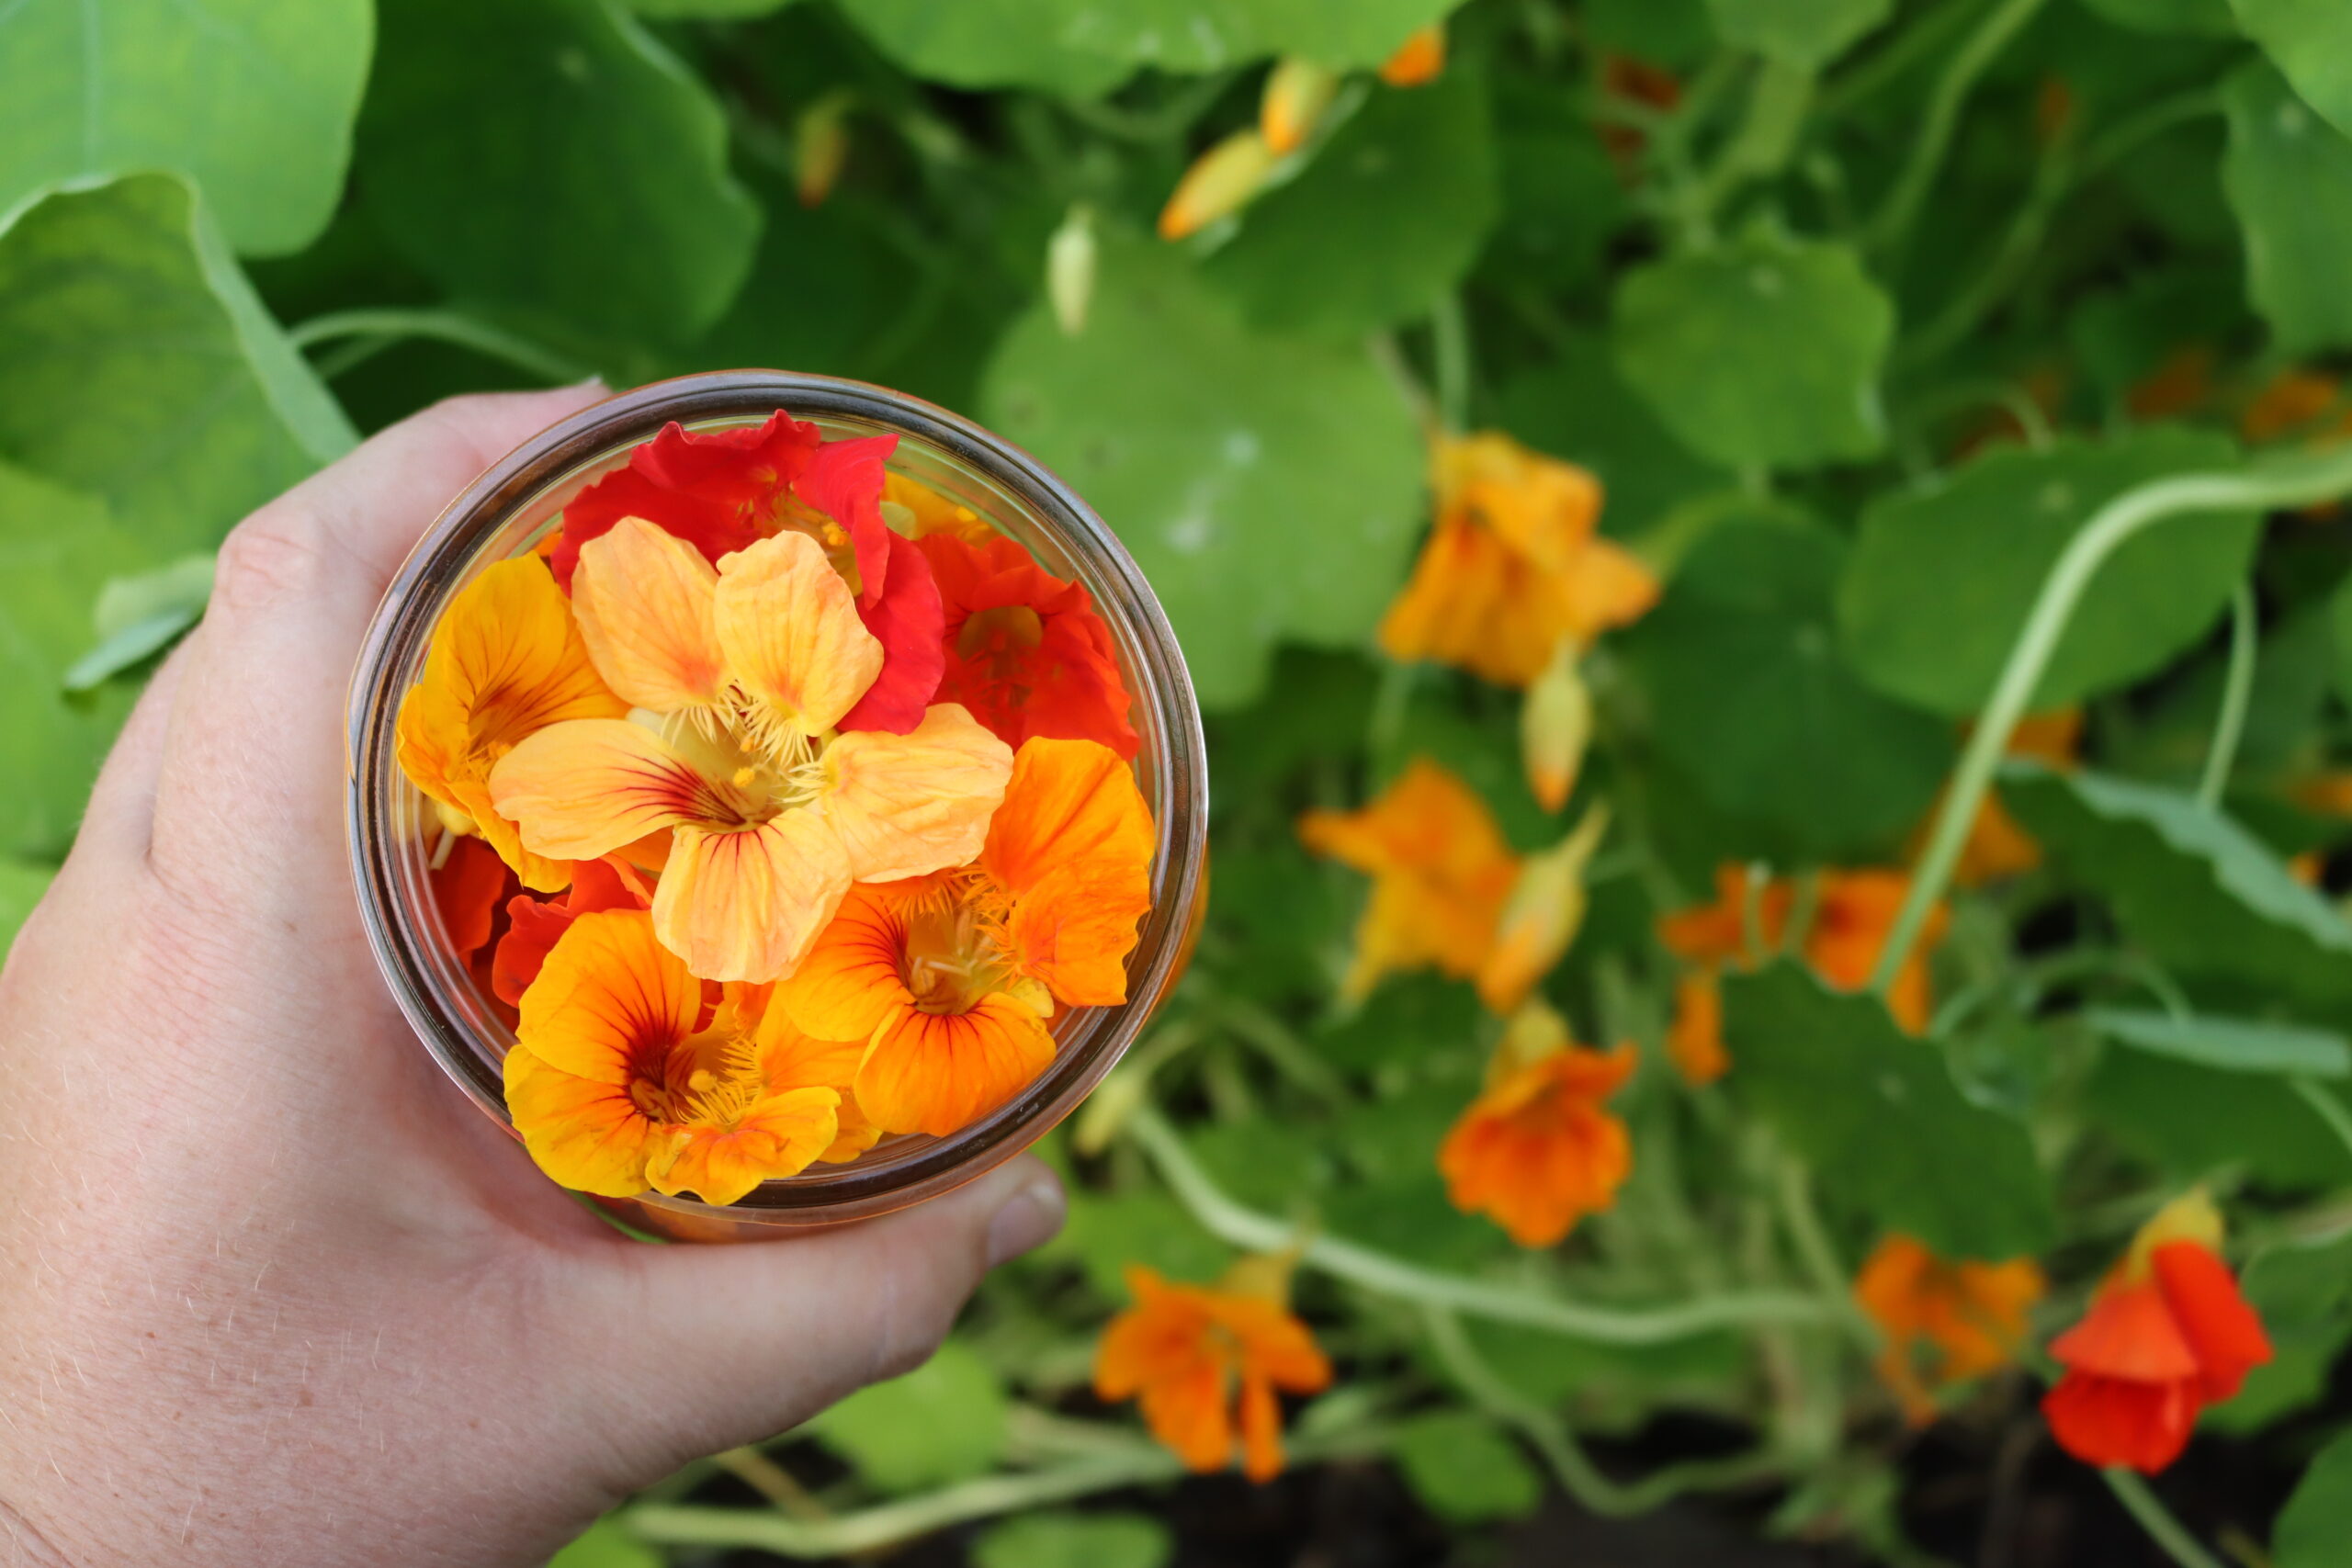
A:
(505, 511)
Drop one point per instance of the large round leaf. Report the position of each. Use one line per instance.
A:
(251, 98)
(1389, 215)
(976, 44)
(2311, 41)
(2289, 174)
(1760, 355)
(1268, 488)
(548, 158)
(1208, 35)
(1577, 407)
(2317, 1521)
(1750, 700)
(1941, 580)
(1803, 33)
(2204, 18)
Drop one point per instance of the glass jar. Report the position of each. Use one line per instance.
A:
(503, 512)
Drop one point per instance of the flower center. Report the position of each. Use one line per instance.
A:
(1001, 636)
(951, 959)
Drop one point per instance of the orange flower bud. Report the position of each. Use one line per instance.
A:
(821, 147)
(1542, 918)
(1418, 60)
(1296, 94)
(1554, 726)
(1221, 182)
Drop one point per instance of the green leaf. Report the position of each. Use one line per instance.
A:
(57, 547)
(1390, 214)
(2193, 1121)
(2317, 1521)
(2302, 1289)
(2288, 176)
(21, 886)
(547, 158)
(1763, 353)
(2340, 614)
(975, 43)
(1941, 580)
(1563, 199)
(126, 329)
(2201, 19)
(1074, 1540)
(1750, 700)
(1804, 33)
(1578, 407)
(1676, 33)
(139, 616)
(1877, 1115)
(2233, 1045)
(711, 10)
(2311, 41)
(607, 1544)
(252, 99)
(1464, 1470)
(1210, 35)
(1106, 1232)
(1268, 487)
(943, 1422)
(2196, 890)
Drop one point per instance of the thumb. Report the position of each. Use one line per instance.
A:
(722, 1346)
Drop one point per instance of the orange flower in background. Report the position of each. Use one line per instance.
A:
(1694, 1037)
(1221, 182)
(2168, 1335)
(2181, 381)
(615, 1084)
(1513, 566)
(505, 662)
(1536, 1151)
(1971, 1317)
(1717, 934)
(1206, 1362)
(1440, 875)
(2295, 402)
(1853, 912)
(1996, 846)
(1419, 59)
(946, 982)
(536, 925)
(739, 675)
(1024, 652)
(1633, 82)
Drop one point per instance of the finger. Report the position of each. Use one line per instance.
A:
(123, 802)
(253, 755)
(720, 1346)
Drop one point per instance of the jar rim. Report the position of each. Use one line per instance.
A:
(1165, 711)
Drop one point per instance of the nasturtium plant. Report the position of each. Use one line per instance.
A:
(953, 1401)
(2311, 41)
(1074, 1540)
(1803, 33)
(2209, 18)
(2289, 177)
(1466, 1471)
(988, 45)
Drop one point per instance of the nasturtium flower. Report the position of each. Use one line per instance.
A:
(1440, 875)
(1513, 566)
(947, 982)
(505, 662)
(1694, 1035)
(466, 888)
(616, 1082)
(2168, 1335)
(536, 925)
(1220, 182)
(1996, 846)
(1537, 1150)
(1291, 103)
(738, 676)
(1024, 652)
(1418, 60)
(1541, 916)
(917, 511)
(1970, 1317)
(724, 491)
(1206, 1362)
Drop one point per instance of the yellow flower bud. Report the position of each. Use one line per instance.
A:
(820, 147)
(1296, 94)
(1542, 918)
(1220, 182)
(1554, 728)
(1070, 269)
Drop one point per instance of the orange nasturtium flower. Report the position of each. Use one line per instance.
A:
(1440, 875)
(1513, 564)
(2168, 1335)
(1694, 1036)
(1025, 652)
(1971, 1315)
(738, 675)
(1206, 1360)
(505, 662)
(617, 1083)
(1418, 60)
(534, 925)
(1221, 182)
(1996, 846)
(1536, 1151)
(945, 983)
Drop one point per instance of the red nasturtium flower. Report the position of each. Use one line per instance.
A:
(739, 676)
(1024, 652)
(1513, 564)
(1207, 1360)
(536, 925)
(945, 982)
(724, 490)
(1971, 1317)
(1536, 1151)
(2168, 1335)
(1440, 875)
(465, 889)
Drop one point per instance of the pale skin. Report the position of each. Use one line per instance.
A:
(274, 1292)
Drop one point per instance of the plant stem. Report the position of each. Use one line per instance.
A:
(1578, 1476)
(1802, 1219)
(444, 326)
(772, 1481)
(2156, 1520)
(2330, 1109)
(1901, 207)
(1291, 1056)
(2301, 480)
(2237, 691)
(1384, 1274)
(1919, 40)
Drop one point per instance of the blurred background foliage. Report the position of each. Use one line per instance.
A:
(1859, 309)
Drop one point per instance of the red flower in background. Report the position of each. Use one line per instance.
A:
(538, 923)
(722, 490)
(1025, 650)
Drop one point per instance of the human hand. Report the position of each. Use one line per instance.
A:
(277, 1294)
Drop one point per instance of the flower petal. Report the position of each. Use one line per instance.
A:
(644, 601)
(908, 804)
(1067, 802)
(938, 1072)
(534, 925)
(1023, 649)
(905, 620)
(747, 905)
(849, 985)
(466, 890)
(778, 1136)
(2129, 1332)
(585, 1134)
(586, 788)
(610, 1002)
(2116, 1421)
(843, 480)
(1075, 929)
(2220, 1328)
(790, 633)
